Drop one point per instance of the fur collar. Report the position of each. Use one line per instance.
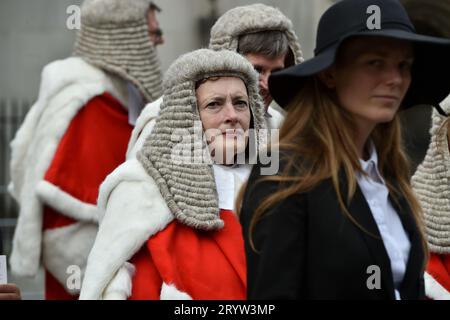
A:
(66, 86)
(129, 189)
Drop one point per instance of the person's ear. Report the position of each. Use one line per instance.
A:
(328, 78)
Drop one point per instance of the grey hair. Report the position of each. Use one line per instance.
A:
(154, 6)
(252, 19)
(271, 43)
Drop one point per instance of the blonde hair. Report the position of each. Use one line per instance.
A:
(316, 142)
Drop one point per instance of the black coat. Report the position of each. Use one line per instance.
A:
(308, 248)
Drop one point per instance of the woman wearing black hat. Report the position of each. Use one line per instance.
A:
(340, 220)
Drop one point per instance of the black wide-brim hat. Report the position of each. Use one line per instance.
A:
(430, 82)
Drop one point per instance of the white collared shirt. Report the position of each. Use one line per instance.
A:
(228, 182)
(394, 237)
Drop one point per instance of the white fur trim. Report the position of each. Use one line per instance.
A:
(276, 120)
(434, 289)
(144, 126)
(66, 204)
(66, 86)
(68, 246)
(131, 210)
(120, 287)
(170, 292)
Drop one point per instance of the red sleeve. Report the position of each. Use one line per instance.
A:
(439, 269)
(147, 282)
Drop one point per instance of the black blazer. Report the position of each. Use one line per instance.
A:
(308, 249)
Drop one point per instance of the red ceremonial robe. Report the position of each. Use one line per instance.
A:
(439, 268)
(94, 144)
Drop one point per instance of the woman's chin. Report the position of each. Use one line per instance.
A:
(231, 154)
(385, 118)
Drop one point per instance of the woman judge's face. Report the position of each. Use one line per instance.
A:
(224, 110)
(371, 78)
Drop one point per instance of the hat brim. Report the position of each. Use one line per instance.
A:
(430, 76)
(284, 84)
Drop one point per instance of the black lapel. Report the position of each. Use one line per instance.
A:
(408, 289)
(360, 210)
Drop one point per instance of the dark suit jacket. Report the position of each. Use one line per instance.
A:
(308, 248)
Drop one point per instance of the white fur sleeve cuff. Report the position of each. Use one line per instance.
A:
(120, 286)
